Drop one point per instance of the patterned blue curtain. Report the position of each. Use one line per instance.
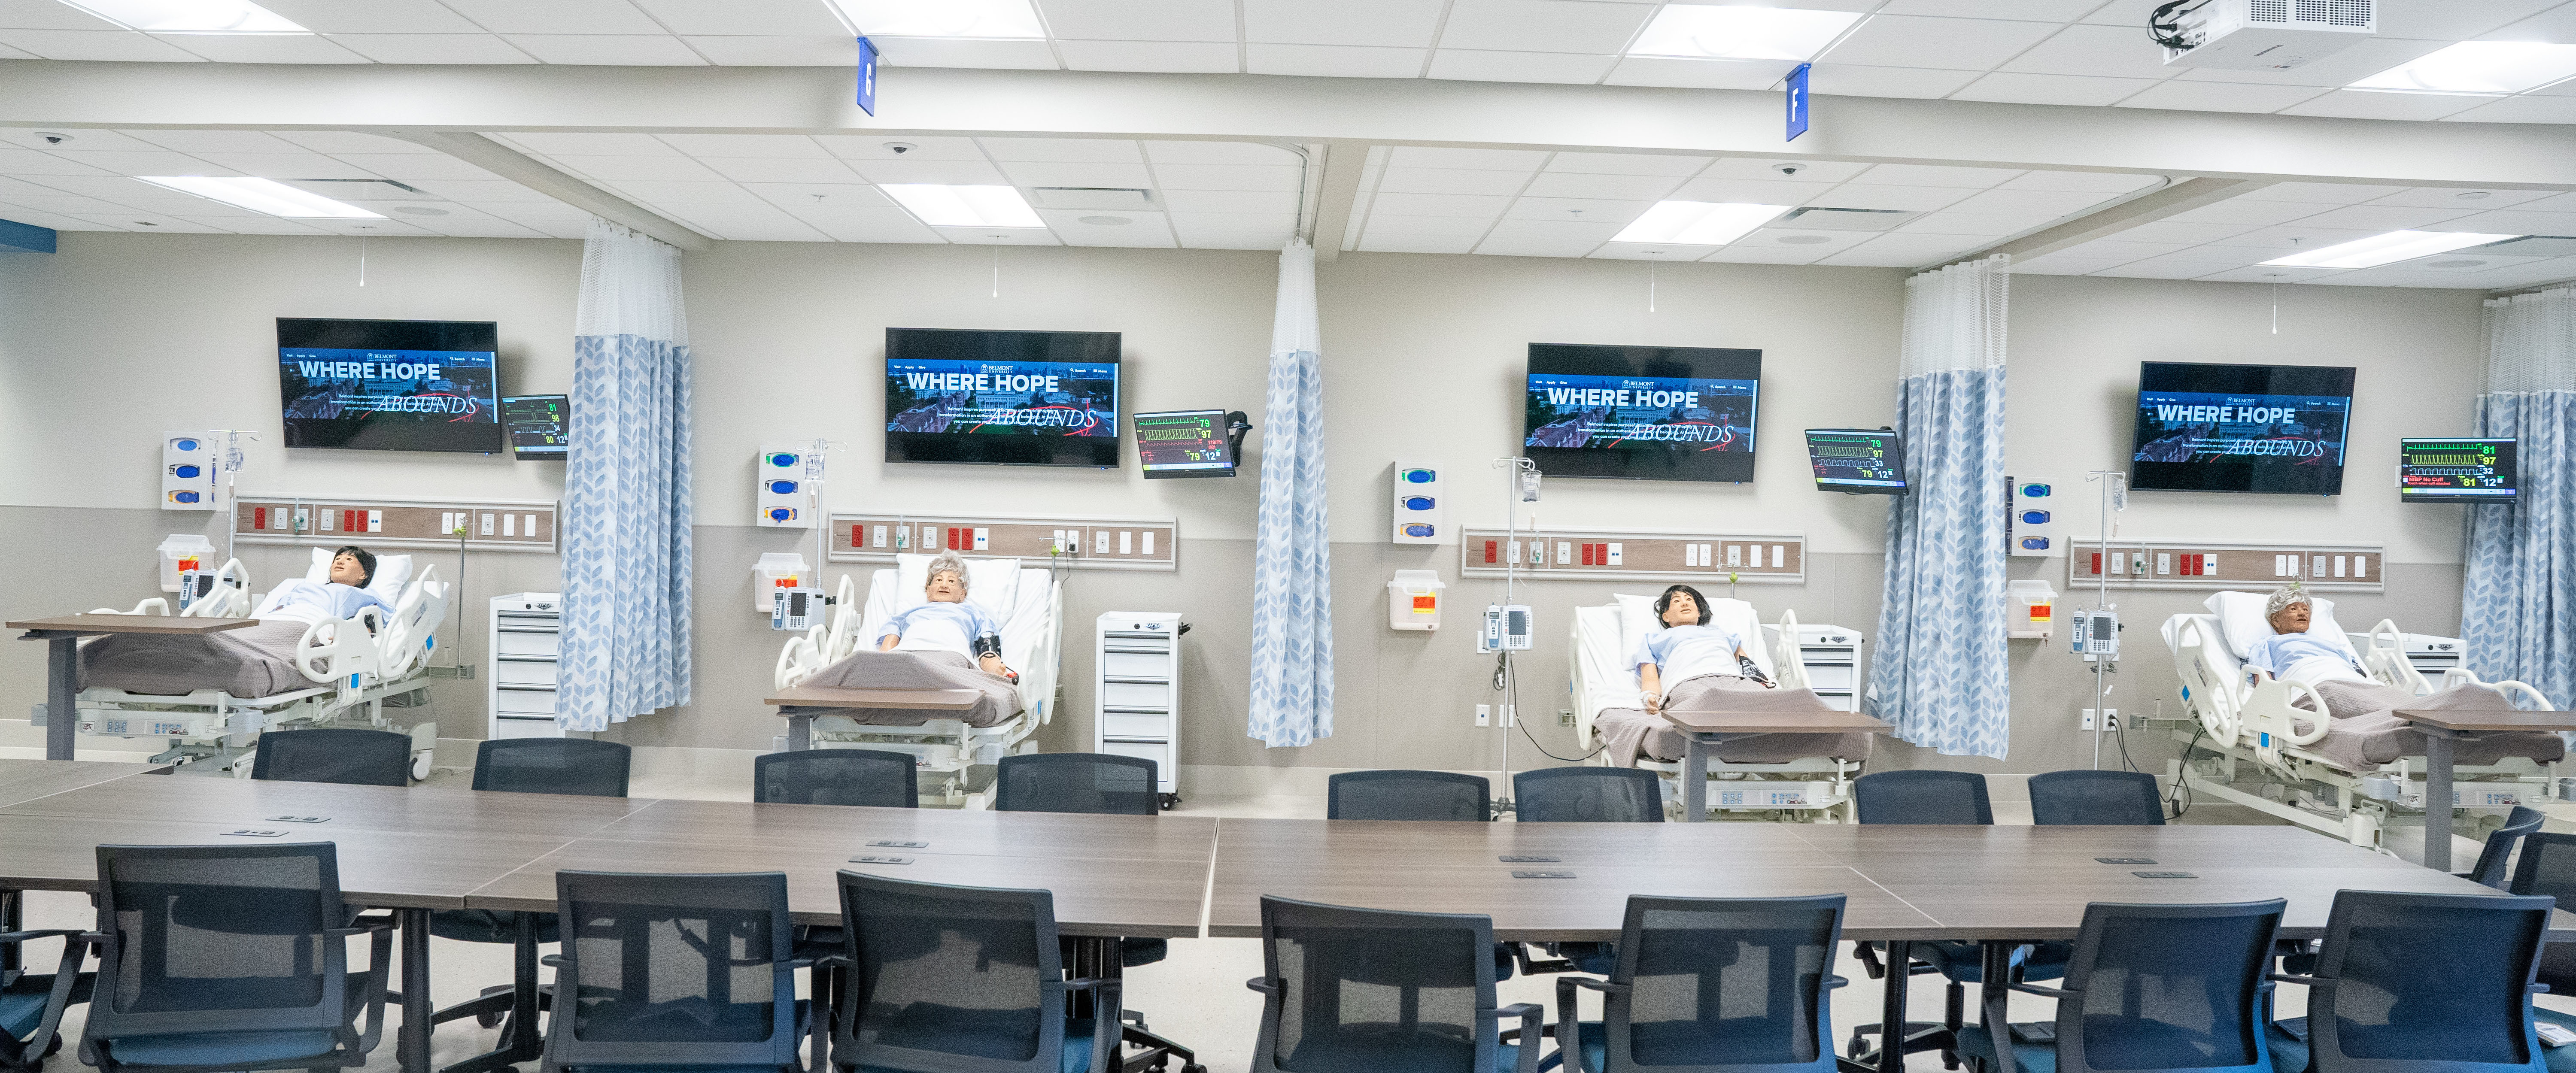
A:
(625, 644)
(2516, 609)
(1940, 673)
(1292, 566)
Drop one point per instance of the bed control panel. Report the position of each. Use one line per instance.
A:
(1616, 554)
(480, 524)
(2185, 564)
(1082, 543)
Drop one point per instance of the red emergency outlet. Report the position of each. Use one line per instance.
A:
(1493, 548)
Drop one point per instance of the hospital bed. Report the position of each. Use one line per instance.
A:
(1031, 615)
(1814, 789)
(2242, 724)
(358, 667)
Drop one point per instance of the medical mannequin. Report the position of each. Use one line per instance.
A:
(2291, 645)
(947, 623)
(1686, 647)
(352, 568)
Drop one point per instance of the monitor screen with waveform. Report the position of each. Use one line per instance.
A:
(1862, 461)
(2473, 470)
(1184, 443)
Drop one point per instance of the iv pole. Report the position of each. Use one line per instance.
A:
(2114, 488)
(1514, 469)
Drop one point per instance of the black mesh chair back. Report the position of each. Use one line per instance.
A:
(1350, 989)
(2167, 987)
(1928, 797)
(1588, 795)
(207, 942)
(2426, 983)
(1720, 984)
(2099, 798)
(2496, 857)
(835, 777)
(1075, 782)
(674, 970)
(960, 979)
(576, 766)
(1408, 795)
(334, 754)
(2547, 866)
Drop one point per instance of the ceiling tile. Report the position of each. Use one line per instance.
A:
(1260, 201)
(155, 223)
(1411, 156)
(2387, 217)
(2322, 193)
(31, 162)
(1699, 74)
(1545, 238)
(2183, 94)
(1804, 240)
(2263, 274)
(776, 51)
(866, 224)
(1562, 68)
(143, 163)
(1751, 191)
(953, 52)
(2365, 104)
(264, 48)
(1905, 249)
(1220, 153)
(1627, 164)
(40, 218)
(215, 141)
(1473, 206)
(551, 217)
(1967, 223)
(2096, 51)
(770, 146)
(48, 15)
(1188, 57)
(1416, 244)
(1650, 251)
(1935, 175)
(1543, 25)
(1857, 80)
(2524, 109)
(1450, 181)
(799, 197)
(1389, 23)
(1037, 173)
(2432, 197)
(1227, 177)
(99, 140)
(2034, 10)
(1963, 44)
(1140, 230)
(957, 172)
(874, 147)
(2100, 182)
(1140, 20)
(1768, 255)
(609, 50)
(1233, 230)
(1333, 61)
(746, 223)
(660, 192)
(1018, 236)
(1064, 150)
(790, 18)
(2359, 60)
(2514, 222)
(2120, 251)
(1900, 198)
(414, 167)
(373, 16)
(2054, 265)
(7, 53)
(622, 168)
(2556, 24)
(1619, 187)
(1806, 171)
(556, 16)
(584, 144)
(113, 45)
(2077, 90)
(336, 142)
(1577, 209)
(2038, 204)
(288, 165)
(2551, 203)
(1386, 224)
(2182, 231)
(2434, 20)
(433, 48)
(2248, 212)
(765, 170)
(2289, 238)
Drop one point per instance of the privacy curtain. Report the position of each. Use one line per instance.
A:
(1292, 567)
(2517, 611)
(625, 645)
(1940, 671)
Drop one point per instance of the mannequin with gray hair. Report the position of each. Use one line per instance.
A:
(945, 622)
(2290, 612)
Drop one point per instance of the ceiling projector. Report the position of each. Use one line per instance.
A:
(2258, 35)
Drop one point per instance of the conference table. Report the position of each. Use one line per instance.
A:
(421, 849)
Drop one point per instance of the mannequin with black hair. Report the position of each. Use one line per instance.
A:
(1685, 646)
(343, 595)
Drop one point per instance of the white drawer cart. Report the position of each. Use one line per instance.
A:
(1139, 692)
(527, 631)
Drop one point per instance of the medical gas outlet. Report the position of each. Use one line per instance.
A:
(1418, 503)
(783, 500)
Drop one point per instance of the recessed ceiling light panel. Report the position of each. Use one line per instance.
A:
(191, 16)
(964, 206)
(988, 19)
(2480, 67)
(1698, 223)
(262, 195)
(1712, 32)
(2390, 248)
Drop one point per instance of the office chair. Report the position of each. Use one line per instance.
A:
(32, 1003)
(1370, 989)
(2154, 987)
(2098, 798)
(2421, 982)
(1102, 783)
(677, 972)
(965, 980)
(1715, 984)
(2547, 866)
(835, 777)
(1408, 795)
(334, 754)
(2495, 859)
(1588, 795)
(1923, 797)
(574, 766)
(231, 958)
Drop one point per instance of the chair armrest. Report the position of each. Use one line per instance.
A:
(552, 961)
(1263, 984)
(361, 926)
(2050, 992)
(1533, 1019)
(75, 951)
(1096, 983)
(2540, 989)
(10, 937)
(2309, 981)
(1832, 982)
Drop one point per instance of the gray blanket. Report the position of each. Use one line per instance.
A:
(254, 661)
(1629, 734)
(915, 670)
(2366, 731)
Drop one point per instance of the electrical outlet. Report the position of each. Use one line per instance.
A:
(1484, 715)
(2110, 718)
(2088, 720)
(1564, 718)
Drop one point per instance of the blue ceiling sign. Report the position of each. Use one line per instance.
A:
(1798, 101)
(867, 76)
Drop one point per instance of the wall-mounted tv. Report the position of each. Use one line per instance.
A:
(1002, 397)
(2458, 470)
(1641, 412)
(2241, 428)
(1861, 461)
(390, 385)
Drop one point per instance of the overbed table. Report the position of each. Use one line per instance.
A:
(62, 635)
(800, 726)
(2441, 729)
(1702, 732)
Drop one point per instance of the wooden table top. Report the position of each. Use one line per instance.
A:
(2498, 719)
(27, 780)
(372, 809)
(948, 831)
(391, 869)
(1777, 722)
(819, 697)
(92, 622)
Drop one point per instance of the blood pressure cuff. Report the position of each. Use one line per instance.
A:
(988, 645)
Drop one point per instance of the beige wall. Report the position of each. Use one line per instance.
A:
(117, 337)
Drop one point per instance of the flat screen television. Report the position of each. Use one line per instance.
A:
(1002, 397)
(2457, 470)
(1862, 461)
(1186, 443)
(2241, 428)
(390, 385)
(540, 426)
(1641, 412)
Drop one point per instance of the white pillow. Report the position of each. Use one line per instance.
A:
(991, 584)
(2242, 625)
(392, 573)
(1637, 619)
